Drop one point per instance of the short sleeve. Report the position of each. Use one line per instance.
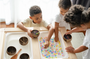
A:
(27, 22)
(45, 24)
(86, 41)
(58, 19)
(87, 44)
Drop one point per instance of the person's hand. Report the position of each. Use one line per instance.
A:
(56, 39)
(69, 32)
(70, 49)
(29, 33)
(46, 44)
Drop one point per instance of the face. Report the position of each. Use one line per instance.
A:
(63, 11)
(37, 18)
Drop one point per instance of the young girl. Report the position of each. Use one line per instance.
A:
(64, 6)
(81, 20)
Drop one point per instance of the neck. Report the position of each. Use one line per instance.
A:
(88, 25)
(33, 22)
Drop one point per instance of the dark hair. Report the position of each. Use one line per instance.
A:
(77, 9)
(65, 4)
(74, 16)
(34, 10)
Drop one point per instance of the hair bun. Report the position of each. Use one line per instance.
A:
(77, 9)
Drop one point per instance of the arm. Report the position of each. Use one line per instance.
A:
(22, 27)
(79, 49)
(56, 31)
(51, 30)
(76, 29)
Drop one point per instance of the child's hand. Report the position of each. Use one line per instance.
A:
(56, 39)
(46, 44)
(29, 33)
(69, 32)
(70, 49)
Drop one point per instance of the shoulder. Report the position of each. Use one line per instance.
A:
(88, 32)
(28, 19)
(44, 23)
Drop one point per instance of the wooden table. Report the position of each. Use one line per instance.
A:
(36, 50)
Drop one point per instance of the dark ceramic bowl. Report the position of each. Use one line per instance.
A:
(24, 56)
(11, 50)
(67, 37)
(23, 40)
(35, 33)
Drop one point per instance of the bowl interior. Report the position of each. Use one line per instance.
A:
(24, 56)
(11, 50)
(68, 36)
(35, 32)
(23, 40)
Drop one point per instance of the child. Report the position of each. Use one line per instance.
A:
(35, 20)
(64, 6)
(81, 20)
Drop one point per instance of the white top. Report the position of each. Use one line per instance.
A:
(60, 19)
(86, 42)
(29, 23)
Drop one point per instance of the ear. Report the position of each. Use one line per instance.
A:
(30, 17)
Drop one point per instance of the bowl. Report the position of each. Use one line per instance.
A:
(23, 41)
(35, 33)
(67, 37)
(24, 56)
(11, 50)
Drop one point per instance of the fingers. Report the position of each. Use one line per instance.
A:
(46, 44)
(56, 39)
(70, 49)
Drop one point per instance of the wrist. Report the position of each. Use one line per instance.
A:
(74, 51)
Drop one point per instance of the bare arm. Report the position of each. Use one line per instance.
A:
(56, 31)
(76, 29)
(79, 49)
(21, 26)
(51, 30)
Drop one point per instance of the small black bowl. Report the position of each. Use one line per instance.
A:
(23, 41)
(11, 50)
(35, 33)
(67, 37)
(24, 56)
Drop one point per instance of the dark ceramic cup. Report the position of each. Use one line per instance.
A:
(35, 33)
(23, 41)
(24, 56)
(11, 50)
(67, 37)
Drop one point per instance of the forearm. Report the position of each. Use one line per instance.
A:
(21, 26)
(56, 32)
(76, 29)
(80, 49)
(51, 30)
